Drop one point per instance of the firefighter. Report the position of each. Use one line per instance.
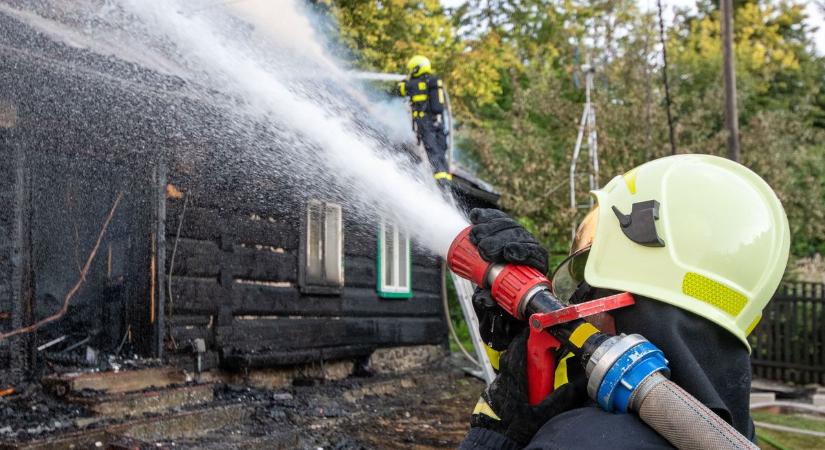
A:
(702, 244)
(426, 93)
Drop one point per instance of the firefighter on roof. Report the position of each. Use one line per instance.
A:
(426, 93)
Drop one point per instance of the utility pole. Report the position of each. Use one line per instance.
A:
(668, 100)
(729, 76)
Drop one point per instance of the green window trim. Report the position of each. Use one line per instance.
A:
(392, 291)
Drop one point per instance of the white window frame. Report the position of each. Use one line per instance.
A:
(327, 275)
(401, 249)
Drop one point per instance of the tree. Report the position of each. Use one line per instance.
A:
(384, 34)
(514, 69)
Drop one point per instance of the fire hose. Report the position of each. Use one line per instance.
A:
(625, 373)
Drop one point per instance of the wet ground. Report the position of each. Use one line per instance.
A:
(423, 409)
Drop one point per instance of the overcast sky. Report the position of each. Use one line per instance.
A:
(815, 19)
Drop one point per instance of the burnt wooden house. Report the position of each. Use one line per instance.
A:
(198, 247)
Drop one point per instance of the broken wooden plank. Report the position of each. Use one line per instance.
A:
(115, 382)
(270, 359)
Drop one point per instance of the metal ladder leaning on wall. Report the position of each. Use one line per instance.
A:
(464, 288)
(464, 291)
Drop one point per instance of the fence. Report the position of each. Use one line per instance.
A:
(789, 343)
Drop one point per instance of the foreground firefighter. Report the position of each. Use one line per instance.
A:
(426, 93)
(701, 243)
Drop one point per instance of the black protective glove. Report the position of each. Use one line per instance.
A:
(500, 239)
(496, 326)
(504, 407)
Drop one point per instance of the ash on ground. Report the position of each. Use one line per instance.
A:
(426, 408)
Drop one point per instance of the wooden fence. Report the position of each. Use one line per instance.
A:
(789, 343)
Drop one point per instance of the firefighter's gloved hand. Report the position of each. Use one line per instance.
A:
(397, 90)
(504, 407)
(496, 326)
(500, 239)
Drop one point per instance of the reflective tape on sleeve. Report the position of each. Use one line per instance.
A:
(581, 333)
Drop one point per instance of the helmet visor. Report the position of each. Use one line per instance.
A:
(569, 275)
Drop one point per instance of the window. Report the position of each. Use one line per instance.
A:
(322, 249)
(393, 262)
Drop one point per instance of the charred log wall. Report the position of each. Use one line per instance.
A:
(81, 134)
(235, 285)
(90, 126)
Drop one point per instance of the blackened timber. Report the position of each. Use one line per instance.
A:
(211, 225)
(184, 335)
(362, 242)
(196, 258)
(263, 264)
(266, 300)
(158, 228)
(427, 279)
(282, 358)
(361, 272)
(282, 334)
(195, 296)
(185, 320)
(423, 258)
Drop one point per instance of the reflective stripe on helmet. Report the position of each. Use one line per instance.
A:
(726, 232)
(714, 293)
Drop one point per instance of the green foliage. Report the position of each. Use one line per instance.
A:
(514, 69)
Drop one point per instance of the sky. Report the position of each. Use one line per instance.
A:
(815, 19)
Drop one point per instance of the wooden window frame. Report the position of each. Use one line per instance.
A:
(323, 283)
(393, 291)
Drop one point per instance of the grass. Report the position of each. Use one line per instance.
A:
(778, 440)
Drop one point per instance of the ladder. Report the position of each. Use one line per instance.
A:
(587, 126)
(464, 290)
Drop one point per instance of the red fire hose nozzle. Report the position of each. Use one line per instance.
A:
(510, 284)
(514, 287)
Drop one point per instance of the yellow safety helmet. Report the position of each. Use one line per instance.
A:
(699, 232)
(418, 65)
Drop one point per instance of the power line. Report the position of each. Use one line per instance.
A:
(668, 100)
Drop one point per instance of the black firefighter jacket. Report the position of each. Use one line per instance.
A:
(704, 359)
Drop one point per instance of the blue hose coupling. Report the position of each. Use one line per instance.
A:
(619, 366)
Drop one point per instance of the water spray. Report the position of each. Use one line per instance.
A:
(625, 373)
(211, 56)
